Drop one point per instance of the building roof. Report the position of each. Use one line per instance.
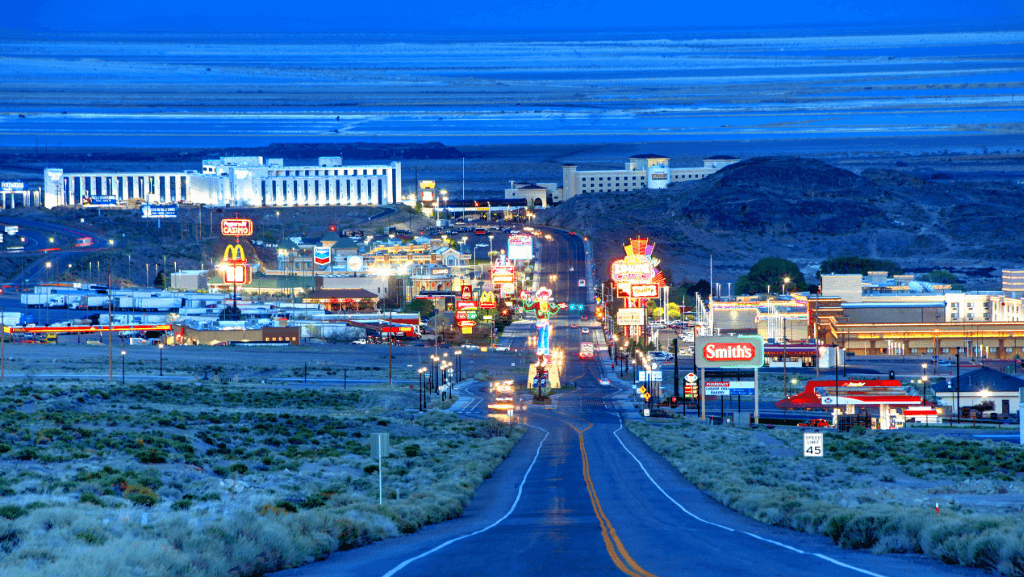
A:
(331, 236)
(319, 294)
(287, 244)
(345, 242)
(721, 157)
(648, 156)
(983, 379)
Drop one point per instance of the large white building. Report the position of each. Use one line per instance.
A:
(641, 171)
(234, 181)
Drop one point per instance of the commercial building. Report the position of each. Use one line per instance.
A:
(233, 181)
(901, 316)
(642, 171)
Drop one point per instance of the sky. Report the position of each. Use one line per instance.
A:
(507, 17)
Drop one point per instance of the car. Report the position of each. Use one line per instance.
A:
(815, 423)
(585, 331)
(499, 348)
(582, 282)
(572, 325)
(658, 356)
(583, 317)
(572, 233)
(359, 342)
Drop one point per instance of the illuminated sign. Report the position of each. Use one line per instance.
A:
(520, 247)
(467, 315)
(467, 324)
(355, 263)
(487, 300)
(427, 184)
(428, 196)
(659, 176)
(236, 227)
(464, 305)
(440, 272)
(502, 276)
(234, 253)
(321, 255)
(630, 317)
(467, 292)
(154, 210)
(624, 271)
(729, 352)
(643, 291)
(237, 273)
(12, 185)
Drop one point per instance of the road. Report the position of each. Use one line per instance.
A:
(580, 495)
(45, 243)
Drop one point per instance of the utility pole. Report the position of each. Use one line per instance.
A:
(110, 332)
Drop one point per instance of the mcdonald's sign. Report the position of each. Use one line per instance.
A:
(487, 300)
(234, 253)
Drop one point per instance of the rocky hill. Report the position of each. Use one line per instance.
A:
(806, 211)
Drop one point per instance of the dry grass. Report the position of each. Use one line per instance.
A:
(167, 479)
(875, 491)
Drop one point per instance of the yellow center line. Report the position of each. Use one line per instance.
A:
(611, 538)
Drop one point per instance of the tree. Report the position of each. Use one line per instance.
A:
(771, 272)
(674, 312)
(159, 280)
(857, 265)
(942, 277)
(422, 306)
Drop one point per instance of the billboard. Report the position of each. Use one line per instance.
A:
(355, 263)
(12, 185)
(158, 210)
(427, 184)
(321, 255)
(520, 247)
(630, 317)
(236, 227)
(729, 352)
(106, 200)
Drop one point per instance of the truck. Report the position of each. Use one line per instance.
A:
(586, 350)
(503, 396)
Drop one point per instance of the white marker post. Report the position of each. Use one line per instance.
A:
(378, 446)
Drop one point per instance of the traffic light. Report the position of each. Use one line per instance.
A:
(892, 375)
(675, 402)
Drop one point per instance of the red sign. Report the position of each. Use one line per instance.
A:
(237, 273)
(395, 329)
(465, 305)
(467, 323)
(467, 292)
(643, 291)
(729, 352)
(236, 227)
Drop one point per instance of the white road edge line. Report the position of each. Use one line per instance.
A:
(519, 495)
(819, 555)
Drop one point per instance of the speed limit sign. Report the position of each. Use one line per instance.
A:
(814, 444)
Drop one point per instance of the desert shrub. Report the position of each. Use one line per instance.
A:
(90, 497)
(91, 536)
(370, 469)
(152, 455)
(182, 504)
(412, 450)
(12, 511)
(239, 468)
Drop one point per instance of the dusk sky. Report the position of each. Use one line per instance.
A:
(199, 16)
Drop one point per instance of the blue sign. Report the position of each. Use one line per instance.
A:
(738, 392)
(102, 200)
(159, 211)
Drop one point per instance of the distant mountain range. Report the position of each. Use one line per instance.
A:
(806, 211)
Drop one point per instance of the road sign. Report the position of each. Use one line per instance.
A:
(641, 391)
(814, 444)
(716, 388)
(647, 412)
(648, 376)
(690, 378)
(647, 396)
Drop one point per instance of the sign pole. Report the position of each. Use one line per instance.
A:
(703, 397)
(757, 398)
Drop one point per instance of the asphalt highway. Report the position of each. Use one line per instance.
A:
(580, 495)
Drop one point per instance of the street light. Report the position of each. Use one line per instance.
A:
(458, 366)
(123, 353)
(491, 249)
(161, 347)
(785, 281)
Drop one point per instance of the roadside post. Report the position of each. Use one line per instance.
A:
(379, 444)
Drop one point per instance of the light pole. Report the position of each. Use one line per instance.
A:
(785, 281)
(924, 389)
(123, 353)
(420, 397)
(958, 385)
(491, 242)
(161, 347)
(458, 366)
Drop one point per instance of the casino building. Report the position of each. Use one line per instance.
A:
(641, 171)
(249, 181)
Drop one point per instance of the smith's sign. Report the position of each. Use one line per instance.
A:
(730, 352)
